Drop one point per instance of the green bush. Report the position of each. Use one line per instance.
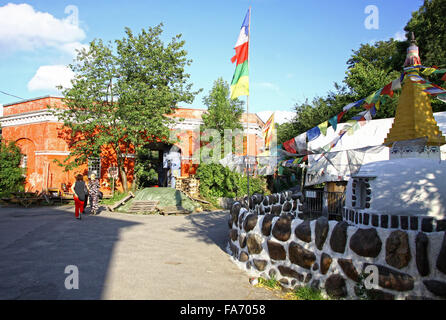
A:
(218, 181)
(12, 177)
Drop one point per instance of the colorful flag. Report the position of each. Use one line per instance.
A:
(340, 115)
(240, 80)
(268, 131)
(313, 133)
(435, 91)
(290, 146)
(323, 127)
(353, 104)
(334, 122)
(387, 90)
(428, 71)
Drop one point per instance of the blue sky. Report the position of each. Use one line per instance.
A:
(298, 48)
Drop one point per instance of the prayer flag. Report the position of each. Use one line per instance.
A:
(240, 80)
(313, 133)
(323, 127)
(334, 122)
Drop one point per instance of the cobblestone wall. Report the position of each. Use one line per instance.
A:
(270, 240)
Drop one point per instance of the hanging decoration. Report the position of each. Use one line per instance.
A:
(298, 145)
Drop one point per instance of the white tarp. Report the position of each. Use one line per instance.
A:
(363, 146)
(340, 165)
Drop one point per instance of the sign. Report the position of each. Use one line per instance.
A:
(113, 172)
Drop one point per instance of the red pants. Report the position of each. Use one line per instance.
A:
(78, 206)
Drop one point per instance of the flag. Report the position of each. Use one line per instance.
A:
(396, 84)
(240, 80)
(301, 143)
(323, 127)
(290, 146)
(340, 115)
(313, 133)
(435, 91)
(387, 90)
(268, 131)
(334, 122)
(353, 104)
(428, 71)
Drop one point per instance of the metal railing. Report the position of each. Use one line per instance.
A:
(323, 203)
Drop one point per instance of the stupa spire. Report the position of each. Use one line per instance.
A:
(412, 57)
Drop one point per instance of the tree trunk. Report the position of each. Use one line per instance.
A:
(123, 178)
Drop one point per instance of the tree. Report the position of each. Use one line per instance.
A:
(121, 94)
(428, 25)
(11, 175)
(223, 112)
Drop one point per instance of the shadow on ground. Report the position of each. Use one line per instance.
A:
(37, 244)
(209, 227)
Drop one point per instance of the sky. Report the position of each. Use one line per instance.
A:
(298, 49)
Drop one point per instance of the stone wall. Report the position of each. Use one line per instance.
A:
(269, 239)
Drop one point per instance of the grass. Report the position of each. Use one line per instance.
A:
(300, 293)
(271, 283)
(116, 197)
(305, 293)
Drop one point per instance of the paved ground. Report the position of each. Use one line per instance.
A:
(119, 256)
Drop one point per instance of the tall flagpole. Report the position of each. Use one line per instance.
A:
(247, 110)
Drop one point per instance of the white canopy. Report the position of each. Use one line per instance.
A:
(352, 151)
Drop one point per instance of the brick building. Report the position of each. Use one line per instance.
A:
(37, 132)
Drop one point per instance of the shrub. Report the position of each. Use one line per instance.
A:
(11, 175)
(218, 181)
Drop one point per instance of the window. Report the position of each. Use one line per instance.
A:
(361, 193)
(24, 164)
(94, 166)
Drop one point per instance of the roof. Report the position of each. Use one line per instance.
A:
(181, 112)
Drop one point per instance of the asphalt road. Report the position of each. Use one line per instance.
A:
(118, 256)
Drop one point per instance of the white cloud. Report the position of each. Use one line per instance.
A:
(23, 28)
(400, 36)
(48, 77)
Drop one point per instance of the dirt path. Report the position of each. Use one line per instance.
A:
(118, 256)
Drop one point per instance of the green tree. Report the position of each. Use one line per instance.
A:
(121, 94)
(11, 175)
(372, 66)
(223, 112)
(428, 24)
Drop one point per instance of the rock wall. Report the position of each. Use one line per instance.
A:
(269, 239)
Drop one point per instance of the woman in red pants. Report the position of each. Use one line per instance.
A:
(80, 190)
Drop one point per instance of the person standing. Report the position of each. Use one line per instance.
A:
(93, 186)
(80, 191)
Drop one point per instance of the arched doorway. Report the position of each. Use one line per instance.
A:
(157, 164)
